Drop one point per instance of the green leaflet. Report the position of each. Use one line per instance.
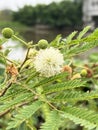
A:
(83, 32)
(19, 99)
(79, 49)
(64, 86)
(12, 95)
(83, 44)
(52, 121)
(56, 41)
(79, 37)
(90, 38)
(84, 117)
(51, 79)
(75, 96)
(69, 38)
(24, 114)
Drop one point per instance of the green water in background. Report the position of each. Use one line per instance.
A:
(49, 34)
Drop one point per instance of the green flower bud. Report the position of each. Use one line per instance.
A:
(83, 72)
(7, 32)
(43, 44)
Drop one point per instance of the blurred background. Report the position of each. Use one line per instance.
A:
(37, 19)
(45, 19)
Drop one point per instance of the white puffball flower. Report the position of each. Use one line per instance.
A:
(48, 62)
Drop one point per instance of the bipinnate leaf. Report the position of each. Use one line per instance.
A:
(64, 86)
(24, 114)
(82, 116)
(52, 122)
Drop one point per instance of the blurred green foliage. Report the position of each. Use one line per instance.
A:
(59, 15)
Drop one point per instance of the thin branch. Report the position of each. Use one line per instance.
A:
(22, 41)
(29, 89)
(7, 111)
(8, 59)
(19, 69)
(4, 113)
(38, 95)
(5, 89)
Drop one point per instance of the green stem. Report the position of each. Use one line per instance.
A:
(31, 77)
(22, 41)
(5, 89)
(8, 59)
(30, 123)
(19, 69)
(31, 127)
(45, 107)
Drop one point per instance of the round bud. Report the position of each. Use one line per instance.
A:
(7, 32)
(43, 44)
(83, 72)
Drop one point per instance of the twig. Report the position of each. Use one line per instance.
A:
(7, 111)
(4, 113)
(29, 89)
(22, 41)
(4, 91)
(8, 60)
(24, 60)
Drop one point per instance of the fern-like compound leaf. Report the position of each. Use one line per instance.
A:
(83, 32)
(79, 49)
(19, 99)
(84, 117)
(75, 96)
(52, 121)
(51, 79)
(69, 38)
(24, 114)
(64, 86)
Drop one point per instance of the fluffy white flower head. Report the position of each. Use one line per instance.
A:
(49, 62)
